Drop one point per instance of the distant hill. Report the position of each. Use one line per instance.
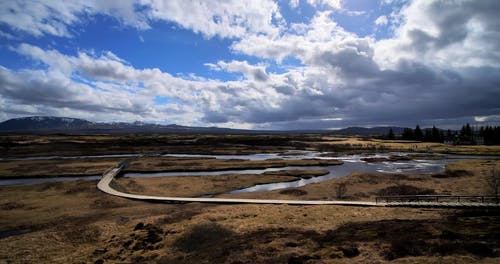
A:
(51, 124)
(34, 123)
(65, 125)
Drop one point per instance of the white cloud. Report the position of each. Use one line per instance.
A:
(354, 12)
(251, 72)
(444, 34)
(334, 4)
(303, 41)
(381, 20)
(392, 74)
(56, 18)
(232, 18)
(430, 70)
(106, 84)
(294, 3)
(7, 35)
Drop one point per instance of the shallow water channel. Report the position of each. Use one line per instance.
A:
(352, 163)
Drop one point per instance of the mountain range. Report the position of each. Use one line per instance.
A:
(66, 125)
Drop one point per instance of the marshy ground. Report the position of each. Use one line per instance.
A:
(73, 222)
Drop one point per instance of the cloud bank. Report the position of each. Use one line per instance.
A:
(440, 66)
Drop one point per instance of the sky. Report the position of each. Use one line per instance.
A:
(257, 64)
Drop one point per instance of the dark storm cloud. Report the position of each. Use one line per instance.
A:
(445, 70)
(56, 91)
(441, 66)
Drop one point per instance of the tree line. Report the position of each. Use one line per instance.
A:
(491, 135)
(488, 135)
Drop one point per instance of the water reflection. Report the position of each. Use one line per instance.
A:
(352, 163)
(350, 166)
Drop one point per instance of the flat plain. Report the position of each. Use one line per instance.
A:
(73, 222)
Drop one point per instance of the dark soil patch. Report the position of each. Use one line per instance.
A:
(12, 205)
(475, 235)
(404, 189)
(460, 233)
(294, 192)
(202, 235)
(457, 173)
(14, 232)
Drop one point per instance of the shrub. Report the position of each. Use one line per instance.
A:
(404, 190)
(457, 173)
(350, 251)
(406, 246)
(296, 192)
(202, 235)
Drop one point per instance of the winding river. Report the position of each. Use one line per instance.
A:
(352, 163)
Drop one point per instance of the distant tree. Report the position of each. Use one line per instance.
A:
(448, 134)
(407, 134)
(427, 135)
(391, 135)
(496, 136)
(468, 129)
(435, 135)
(466, 133)
(418, 135)
(491, 135)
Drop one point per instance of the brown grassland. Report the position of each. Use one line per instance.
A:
(73, 222)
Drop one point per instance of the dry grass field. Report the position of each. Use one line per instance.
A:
(377, 145)
(73, 222)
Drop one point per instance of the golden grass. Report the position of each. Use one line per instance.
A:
(192, 186)
(74, 222)
(152, 164)
(365, 186)
(56, 167)
(356, 143)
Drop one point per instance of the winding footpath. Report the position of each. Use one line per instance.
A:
(109, 175)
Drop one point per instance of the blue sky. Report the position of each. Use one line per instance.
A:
(258, 64)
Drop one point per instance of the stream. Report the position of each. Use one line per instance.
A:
(352, 163)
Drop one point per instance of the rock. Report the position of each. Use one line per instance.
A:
(139, 226)
(350, 252)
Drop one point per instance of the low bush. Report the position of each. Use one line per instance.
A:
(295, 192)
(350, 251)
(404, 247)
(457, 173)
(202, 235)
(404, 189)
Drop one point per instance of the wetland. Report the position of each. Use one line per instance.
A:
(61, 217)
